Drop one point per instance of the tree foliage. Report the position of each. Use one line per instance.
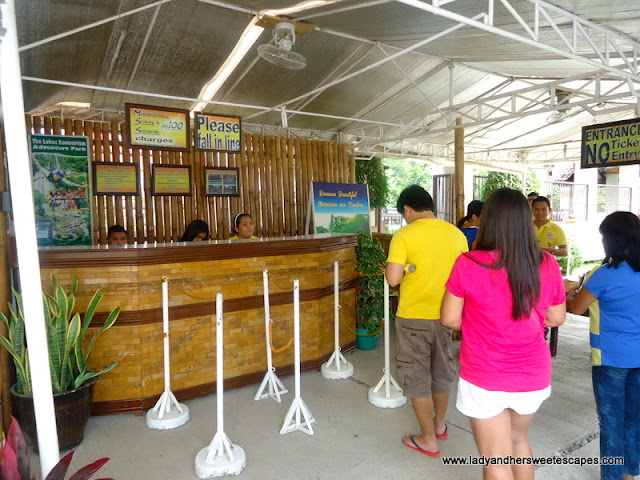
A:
(403, 173)
(371, 172)
(497, 180)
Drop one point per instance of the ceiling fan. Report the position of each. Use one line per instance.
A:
(564, 109)
(284, 37)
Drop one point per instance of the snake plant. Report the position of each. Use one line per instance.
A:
(66, 331)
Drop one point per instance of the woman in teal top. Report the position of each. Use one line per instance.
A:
(612, 292)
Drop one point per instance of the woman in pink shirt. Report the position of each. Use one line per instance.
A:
(502, 295)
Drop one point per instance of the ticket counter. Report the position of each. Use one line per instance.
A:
(131, 277)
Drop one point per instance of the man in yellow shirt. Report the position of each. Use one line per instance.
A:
(428, 247)
(550, 236)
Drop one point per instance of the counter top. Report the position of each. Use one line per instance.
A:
(154, 253)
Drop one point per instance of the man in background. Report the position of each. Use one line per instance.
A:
(551, 237)
(117, 235)
(531, 197)
(426, 249)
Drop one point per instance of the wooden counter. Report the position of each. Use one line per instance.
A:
(131, 277)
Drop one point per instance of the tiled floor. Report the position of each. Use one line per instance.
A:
(353, 439)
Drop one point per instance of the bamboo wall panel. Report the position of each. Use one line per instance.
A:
(274, 174)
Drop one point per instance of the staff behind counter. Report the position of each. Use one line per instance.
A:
(196, 231)
(243, 227)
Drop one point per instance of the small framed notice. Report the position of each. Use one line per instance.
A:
(217, 133)
(157, 128)
(116, 178)
(171, 180)
(221, 181)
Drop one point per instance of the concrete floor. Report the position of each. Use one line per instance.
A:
(353, 439)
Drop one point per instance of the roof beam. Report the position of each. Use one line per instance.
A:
(581, 30)
(373, 65)
(517, 104)
(90, 25)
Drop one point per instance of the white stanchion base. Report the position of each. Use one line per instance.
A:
(332, 373)
(220, 465)
(174, 418)
(273, 385)
(379, 399)
(298, 412)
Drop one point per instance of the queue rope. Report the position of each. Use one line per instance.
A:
(274, 349)
(353, 331)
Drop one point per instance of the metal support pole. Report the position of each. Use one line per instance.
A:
(26, 240)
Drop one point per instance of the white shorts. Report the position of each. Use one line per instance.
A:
(476, 402)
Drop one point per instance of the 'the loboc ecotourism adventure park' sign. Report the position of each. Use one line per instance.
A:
(611, 144)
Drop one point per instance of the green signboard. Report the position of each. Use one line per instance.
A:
(61, 191)
(611, 144)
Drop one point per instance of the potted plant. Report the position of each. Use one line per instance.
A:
(72, 381)
(16, 465)
(370, 260)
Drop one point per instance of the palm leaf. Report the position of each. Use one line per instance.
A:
(108, 323)
(63, 303)
(91, 309)
(55, 343)
(91, 374)
(60, 470)
(70, 343)
(86, 472)
(20, 365)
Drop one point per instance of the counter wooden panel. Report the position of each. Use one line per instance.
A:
(131, 278)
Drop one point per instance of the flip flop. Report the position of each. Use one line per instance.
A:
(418, 449)
(444, 435)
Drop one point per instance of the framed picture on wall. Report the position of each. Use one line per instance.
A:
(112, 178)
(171, 180)
(221, 181)
(157, 128)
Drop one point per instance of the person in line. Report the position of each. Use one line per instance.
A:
(469, 224)
(117, 235)
(502, 295)
(425, 364)
(243, 227)
(197, 231)
(551, 237)
(611, 293)
(531, 196)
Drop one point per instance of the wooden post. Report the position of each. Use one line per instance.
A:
(459, 170)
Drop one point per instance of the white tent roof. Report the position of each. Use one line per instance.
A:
(400, 72)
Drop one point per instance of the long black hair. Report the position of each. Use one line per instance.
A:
(474, 208)
(507, 227)
(621, 239)
(193, 229)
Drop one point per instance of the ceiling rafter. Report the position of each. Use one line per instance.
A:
(581, 30)
(506, 106)
(89, 26)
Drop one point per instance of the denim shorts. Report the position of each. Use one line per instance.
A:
(424, 359)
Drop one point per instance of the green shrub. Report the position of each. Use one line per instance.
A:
(576, 259)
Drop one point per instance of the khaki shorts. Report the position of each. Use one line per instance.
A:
(424, 360)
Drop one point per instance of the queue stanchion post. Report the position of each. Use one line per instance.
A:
(391, 396)
(270, 382)
(168, 413)
(220, 457)
(336, 367)
(298, 417)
